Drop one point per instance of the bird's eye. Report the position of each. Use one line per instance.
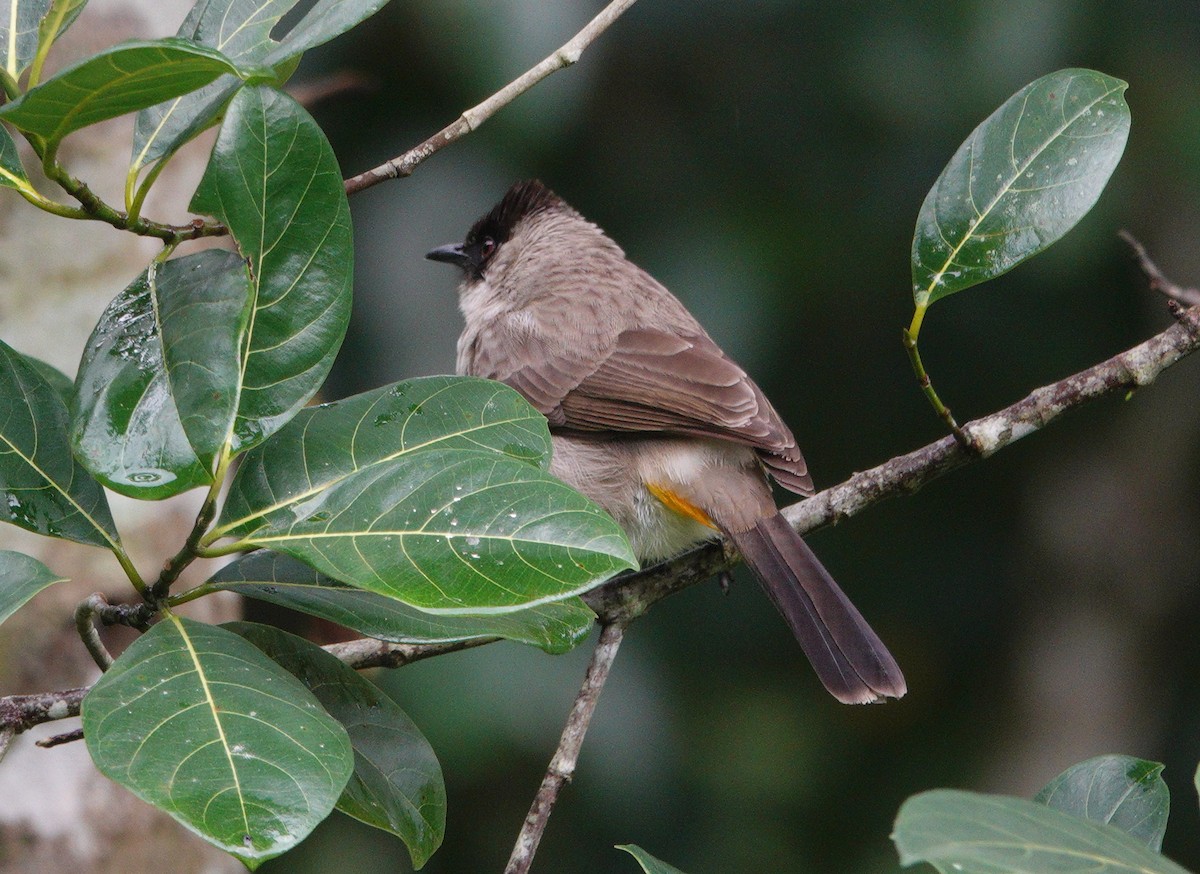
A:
(486, 247)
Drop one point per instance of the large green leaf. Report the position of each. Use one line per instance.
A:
(1022, 179)
(19, 20)
(454, 531)
(42, 487)
(159, 378)
(274, 181)
(121, 79)
(199, 723)
(21, 577)
(1122, 791)
(327, 443)
(241, 30)
(555, 627)
(397, 781)
(649, 864)
(969, 833)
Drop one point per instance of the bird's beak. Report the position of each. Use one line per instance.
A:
(451, 253)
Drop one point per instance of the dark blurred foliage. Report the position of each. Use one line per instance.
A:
(766, 161)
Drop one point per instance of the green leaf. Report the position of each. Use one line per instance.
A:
(969, 833)
(274, 181)
(1122, 791)
(62, 384)
(42, 487)
(454, 531)
(19, 20)
(159, 377)
(397, 781)
(199, 723)
(323, 445)
(327, 19)
(555, 627)
(12, 171)
(21, 577)
(1022, 179)
(121, 79)
(241, 30)
(649, 864)
(61, 15)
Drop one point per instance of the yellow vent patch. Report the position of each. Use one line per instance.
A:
(681, 505)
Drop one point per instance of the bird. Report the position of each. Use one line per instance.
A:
(648, 417)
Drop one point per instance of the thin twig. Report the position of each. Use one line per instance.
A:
(403, 165)
(85, 615)
(367, 652)
(60, 739)
(562, 765)
(339, 84)
(1189, 297)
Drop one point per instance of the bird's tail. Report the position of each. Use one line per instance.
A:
(847, 655)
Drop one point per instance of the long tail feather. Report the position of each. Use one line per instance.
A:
(847, 655)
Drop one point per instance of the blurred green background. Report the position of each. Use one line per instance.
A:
(766, 161)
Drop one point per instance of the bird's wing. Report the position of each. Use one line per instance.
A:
(651, 380)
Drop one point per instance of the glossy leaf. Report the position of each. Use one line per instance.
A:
(649, 864)
(323, 445)
(1022, 179)
(969, 833)
(12, 171)
(21, 577)
(157, 387)
(274, 181)
(397, 781)
(555, 627)
(199, 723)
(42, 487)
(1122, 791)
(58, 18)
(121, 79)
(454, 531)
(241, 30)
(19, 20)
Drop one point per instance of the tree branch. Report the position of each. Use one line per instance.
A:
(568, 54)
(562, 765)
(1188, 297)
(625, 598)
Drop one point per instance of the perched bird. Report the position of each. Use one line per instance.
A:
(649, 418)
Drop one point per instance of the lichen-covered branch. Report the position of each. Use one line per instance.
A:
(627, 597)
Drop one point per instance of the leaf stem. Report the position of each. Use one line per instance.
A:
(135, 198)
(191, 549)
(127, 565)
(11, 89)
(191, 594)
(909, 339)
